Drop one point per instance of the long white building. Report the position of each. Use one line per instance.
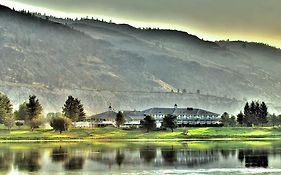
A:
(185, 117)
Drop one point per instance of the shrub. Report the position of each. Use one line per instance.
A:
(60, 124)
(19, 124)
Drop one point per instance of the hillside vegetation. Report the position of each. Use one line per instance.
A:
(106, 63)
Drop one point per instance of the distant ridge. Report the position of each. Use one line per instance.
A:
(129, 67)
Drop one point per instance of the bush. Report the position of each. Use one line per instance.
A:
(60, 124)
(19, 124)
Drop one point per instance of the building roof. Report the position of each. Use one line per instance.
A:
(137, 115)
(178, 111)
(159, 111)
(104, 115)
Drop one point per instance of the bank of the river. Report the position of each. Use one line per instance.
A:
(204, 133)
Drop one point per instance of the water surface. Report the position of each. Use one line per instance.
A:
(141, 158)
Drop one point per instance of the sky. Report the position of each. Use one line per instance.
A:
(247, 20)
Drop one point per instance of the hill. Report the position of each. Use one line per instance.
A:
(106, 63)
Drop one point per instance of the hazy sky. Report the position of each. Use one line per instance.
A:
(250, 20)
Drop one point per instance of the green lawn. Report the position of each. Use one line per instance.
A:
(119, 134)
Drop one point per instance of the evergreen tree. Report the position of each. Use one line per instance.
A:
(6, 114)
(82, 115)
(73, 109)
(120, 119)
(240, 118)
(170, 121)
(247, 114)
(253, 113)
(148, 123)
(263, 114)
(6, 107)
(34, 109)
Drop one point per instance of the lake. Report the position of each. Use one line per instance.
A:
(218, 157)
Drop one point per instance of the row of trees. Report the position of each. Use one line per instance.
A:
(254, 114)
(149, 123)
(31, 113)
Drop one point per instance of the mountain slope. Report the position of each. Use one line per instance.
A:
(105, 63)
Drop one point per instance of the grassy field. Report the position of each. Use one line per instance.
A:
(204, 133)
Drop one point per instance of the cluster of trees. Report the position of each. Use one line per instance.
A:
(254, 114)
(149, 123)
(31, 113)
(169, 121)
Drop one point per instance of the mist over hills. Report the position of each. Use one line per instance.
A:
(105, 63)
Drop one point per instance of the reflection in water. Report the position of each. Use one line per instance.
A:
(148, 154)
(169, 155)
(74, 163)
(28, 161)
(119, 157)
(6, 160)
(137, 158)
(59, 154)
(254, 158)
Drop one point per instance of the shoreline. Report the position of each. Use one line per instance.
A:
(120, 135)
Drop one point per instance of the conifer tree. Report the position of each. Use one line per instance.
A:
(120, 120)
(34, 109)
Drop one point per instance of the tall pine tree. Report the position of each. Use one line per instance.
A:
(247, 115)
(73, 109)
(240, 118)
(34, 110)
(263, 113)
(6, 114)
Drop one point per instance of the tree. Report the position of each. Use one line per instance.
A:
(6, 114)
(225, 119)
(6, 108)
(60, 124)
(232, 121)
(255, 114)
(120, 120)
(247, 114)
(22, 113)
(19, 124)
(170, 121)
(34, 109)
(263, 114)
(240, 118)
(82, 115)
(73, 109)
(148, 123)
(52, 115)
(9, 121)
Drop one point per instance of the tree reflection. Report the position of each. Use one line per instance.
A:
(29, 161)
(59, 154)
(169, 155)
(254, 158)
(6, 160)
(226, 153)
(74, 163)
(119, 157)
(148, 154)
